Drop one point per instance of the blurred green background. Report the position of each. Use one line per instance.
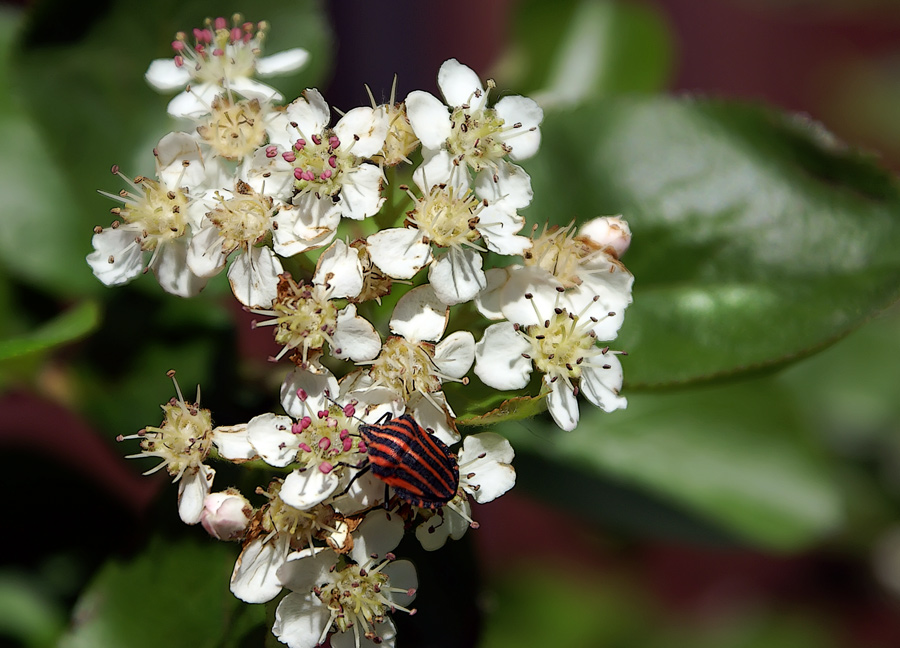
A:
(749, 494)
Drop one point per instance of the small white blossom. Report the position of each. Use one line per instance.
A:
(221, 59)
(157, 217)
(225, 515)
(350, 601)
(562, 346)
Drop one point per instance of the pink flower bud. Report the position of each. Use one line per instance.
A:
(225, 515)
(607, 232)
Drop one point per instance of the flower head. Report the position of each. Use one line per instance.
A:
(220, 59)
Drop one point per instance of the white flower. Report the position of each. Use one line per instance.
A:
(485, 473)
(306, 317)
(157, 217)
(222, 59)
(277, 529)
(562, 346)
(475, 135)
(350, 600)
(182, 442)
(317, 164)
(451, 217)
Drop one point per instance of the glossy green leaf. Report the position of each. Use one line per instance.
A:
(174, 594)
(758, 238)
(71, 325)
(566, 52)
(82, 88)
(731, 454)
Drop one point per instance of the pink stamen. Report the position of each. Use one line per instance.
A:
(298, 174)
(220, 23)
(207, 36)
(322, 414)
(198, 34)
(247, 38)
(332, 162)
(288, 156)
(361, 446)
(305, 422)
(347, 444)
(179, 61)
(305, 447)
(324, 443)
(236, 34)
(218, 52)
(349, 409)
(325, 174)
(326, 467)
(334, 142)
(299, 144)
(301, 394)
(271, 151)
(316, 139)
(178, 46)
(344, 433)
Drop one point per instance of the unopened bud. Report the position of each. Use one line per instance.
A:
(607, 232)
(225, 515)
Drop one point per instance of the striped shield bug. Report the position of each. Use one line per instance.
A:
(414, 462)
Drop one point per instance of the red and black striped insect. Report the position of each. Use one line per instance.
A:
(415, 463)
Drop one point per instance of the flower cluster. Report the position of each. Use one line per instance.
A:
(366, 444)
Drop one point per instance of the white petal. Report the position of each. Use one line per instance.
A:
(355, 337)
(522, 110)
(307, 568)
(255, 575)
(364, 493)
(488, 456)
(314, 384)
(455, 354)
(438, 169)
(434, 532)
(117, 258)
(534, 281)
(193, 487)
(498, 357)
(282, 62)
(379, 533)
(253, 89)
(361, 192)
(194, 102)
(434, 413)
(499, 226)
(272, 176)
(403, 575)
(233, 442)
(271, 435)
(300, 620)
(179, 161)
(460, 85)
(429, 118)
(364, 129)
(419, 315)
(163, 75)
(399, 252)
(310, 112)
(457, 276)
(488, 301)
(601, 386)
(205, 256)
(315, 219)
(512, 186)
(562, 404)
(172, 271)
(254, 277)
(386, 632)
(304, 489)
(341, 268)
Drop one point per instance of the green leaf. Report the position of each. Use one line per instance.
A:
(68, 327)
(758, 238)
(513, 409)
(566, 52)
(174, 595)
(88, 107)
(732, 454)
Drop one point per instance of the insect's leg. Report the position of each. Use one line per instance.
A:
(359, 473)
